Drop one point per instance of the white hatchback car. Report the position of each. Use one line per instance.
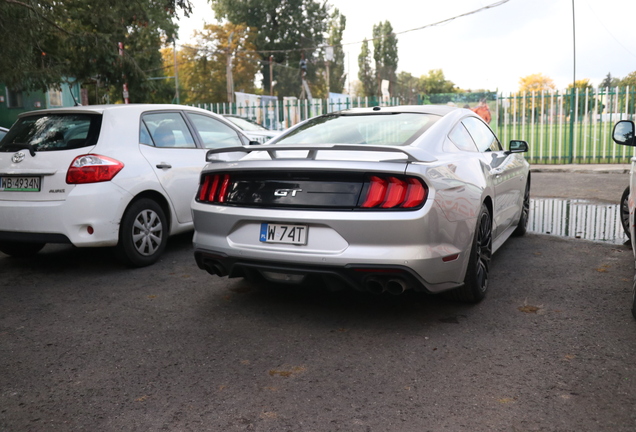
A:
(111, 175)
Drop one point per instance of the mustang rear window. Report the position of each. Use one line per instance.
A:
(51, 132)
(394, 129)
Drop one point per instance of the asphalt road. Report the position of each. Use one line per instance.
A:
(87, 345)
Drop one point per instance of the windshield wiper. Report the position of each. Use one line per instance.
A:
(14, 146)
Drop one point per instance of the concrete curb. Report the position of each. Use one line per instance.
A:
(583, 168)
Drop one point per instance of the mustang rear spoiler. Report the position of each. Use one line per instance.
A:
(413, 154)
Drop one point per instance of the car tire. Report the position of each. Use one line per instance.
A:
(634, 298)
(143, 233)
(476, 279)
(624, 211)
(522, 226)
(19, 249)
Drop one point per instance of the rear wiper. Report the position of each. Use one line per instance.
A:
(14, 146)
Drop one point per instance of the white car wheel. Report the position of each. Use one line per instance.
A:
(143, 233)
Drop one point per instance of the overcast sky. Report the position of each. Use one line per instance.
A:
(494, 48)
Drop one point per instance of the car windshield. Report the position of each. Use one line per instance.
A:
(390, 129)
(247, 125)
(50, 132)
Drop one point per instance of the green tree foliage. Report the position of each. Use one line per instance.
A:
(629, 80)
(202, 67)
(285, 29)
(366, 73)
(45, 42)
(385, 54)
(536, 83)
(406, 88)
(435, 82)
(337, 75)
(581, 84)
(610, 81)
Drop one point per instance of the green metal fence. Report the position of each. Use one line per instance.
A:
(566, 127)
(560, 127)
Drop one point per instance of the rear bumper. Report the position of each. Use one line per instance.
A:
(372, 278)
(98, 206)
(353, 247)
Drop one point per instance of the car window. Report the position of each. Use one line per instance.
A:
(393, 129)
(246, 125)
(214, 133)
(482, 135)
(52, 132)
(167, 129)
(462, 139)
(144, 135)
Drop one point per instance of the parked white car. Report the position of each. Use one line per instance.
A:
(111, 175)
(254, 131)
(624, 134)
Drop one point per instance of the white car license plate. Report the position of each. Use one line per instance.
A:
(20, 184)
(281, 233)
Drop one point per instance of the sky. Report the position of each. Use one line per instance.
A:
(491, 49)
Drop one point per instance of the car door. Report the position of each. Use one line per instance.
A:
(504, 171)
(168, 145)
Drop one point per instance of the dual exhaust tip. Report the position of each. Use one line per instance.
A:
(378, 285)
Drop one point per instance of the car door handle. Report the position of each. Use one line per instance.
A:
(163, 165)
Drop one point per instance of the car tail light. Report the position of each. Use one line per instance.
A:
(92, 168)
(390, 192)
(213, 188)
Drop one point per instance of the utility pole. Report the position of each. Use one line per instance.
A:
(176, 71)
(125, 92)
(271, 75)
(230, 80)
(329, 58)
(305, 93)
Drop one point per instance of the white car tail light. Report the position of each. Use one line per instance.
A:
(92, 168)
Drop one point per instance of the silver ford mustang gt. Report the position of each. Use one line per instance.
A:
(376, 199)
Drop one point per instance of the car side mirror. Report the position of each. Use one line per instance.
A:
(254, 143)
(518, 146)
(624, 133)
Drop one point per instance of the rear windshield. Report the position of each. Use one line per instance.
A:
(392, 129)
(50, 132)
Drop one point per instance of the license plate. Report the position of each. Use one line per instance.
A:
(19, 184)
(282, 233)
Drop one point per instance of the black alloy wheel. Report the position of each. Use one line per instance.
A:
(634, 297)
(624, 210)
(522, 226)
(476, 279)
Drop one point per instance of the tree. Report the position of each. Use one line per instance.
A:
(385, 54)
(337, 75)
(629, 80)
(435, 83)
(536, 83)
(406, 88)
(285, 30)
(203, 67)
(610, 81)
(46, 42)
(581, 86)
(365, 71)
